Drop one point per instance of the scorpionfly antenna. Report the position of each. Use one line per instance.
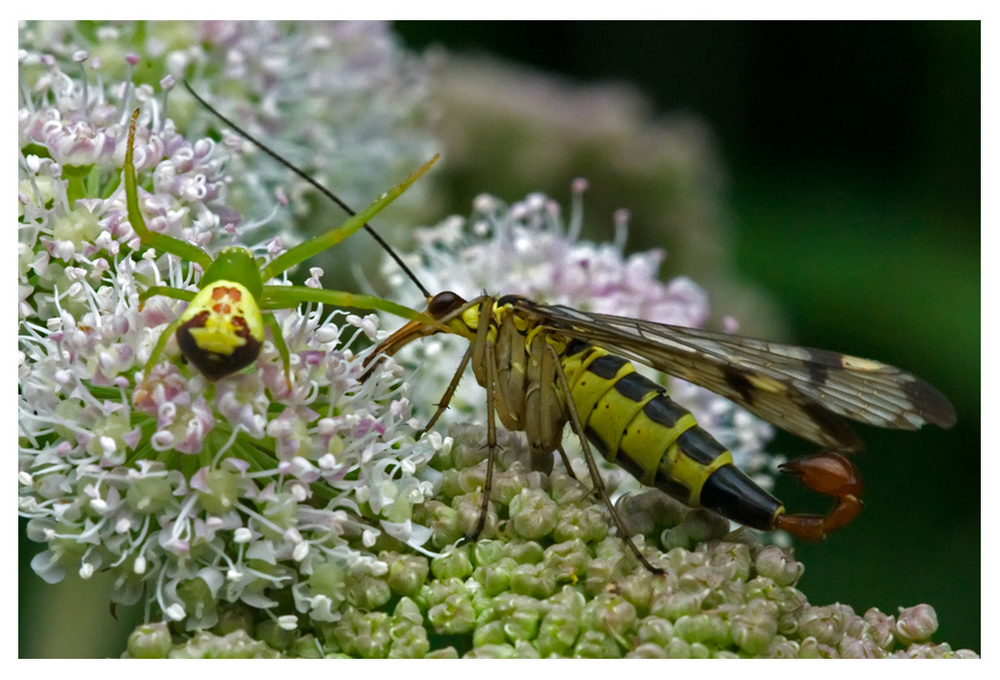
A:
(322, 189)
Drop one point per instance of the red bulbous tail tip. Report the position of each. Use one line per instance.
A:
(830, 474)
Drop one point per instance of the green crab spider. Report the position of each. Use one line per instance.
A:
(222, 329)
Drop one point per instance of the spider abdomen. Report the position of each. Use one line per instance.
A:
(222, 330)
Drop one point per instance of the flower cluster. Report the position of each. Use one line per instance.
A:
(191, 494)
(341, 100)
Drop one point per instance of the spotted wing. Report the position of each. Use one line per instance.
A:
(801, 390)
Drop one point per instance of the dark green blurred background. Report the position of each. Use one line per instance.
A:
(852, 153)
(854, 183)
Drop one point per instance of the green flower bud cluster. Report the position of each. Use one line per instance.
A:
(548, 580)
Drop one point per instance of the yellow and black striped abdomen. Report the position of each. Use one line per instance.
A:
(637, 426)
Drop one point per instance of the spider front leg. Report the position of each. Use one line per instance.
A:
(290, 297)
(163, 242)
(831, 474)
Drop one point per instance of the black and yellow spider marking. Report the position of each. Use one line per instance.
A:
(222, 329)
(547, 365)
